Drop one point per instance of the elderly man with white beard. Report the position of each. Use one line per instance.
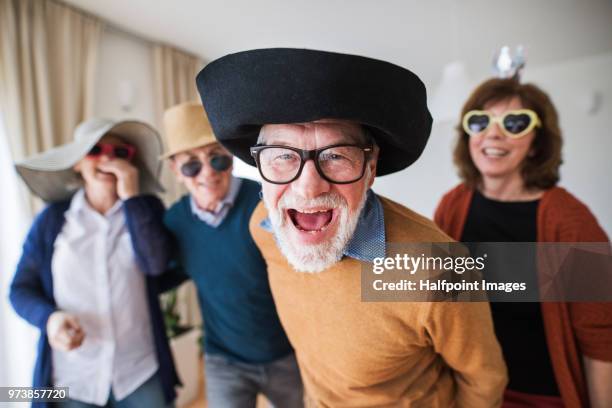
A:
(314, 218)
(320, 127)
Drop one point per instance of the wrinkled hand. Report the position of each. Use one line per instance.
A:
(64, 331)
(127, 177)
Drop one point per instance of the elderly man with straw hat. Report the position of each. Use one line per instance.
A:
(86, 276)
(246, 349)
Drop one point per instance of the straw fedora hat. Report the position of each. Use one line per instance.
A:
(50, 175)
(186, 127)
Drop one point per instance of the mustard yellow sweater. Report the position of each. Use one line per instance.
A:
(383, 354)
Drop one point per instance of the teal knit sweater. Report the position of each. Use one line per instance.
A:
(240, 319)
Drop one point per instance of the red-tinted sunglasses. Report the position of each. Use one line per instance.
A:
(122, 151)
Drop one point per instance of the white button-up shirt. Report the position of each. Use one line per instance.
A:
(96, 278)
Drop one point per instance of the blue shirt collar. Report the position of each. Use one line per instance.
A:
(215, 218)
(368, 241)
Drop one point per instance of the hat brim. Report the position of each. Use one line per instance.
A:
(50, 174)
(194, 145)
(244, 91)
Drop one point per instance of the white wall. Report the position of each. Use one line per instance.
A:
(124, 58)
(417, 34)
(587, 146)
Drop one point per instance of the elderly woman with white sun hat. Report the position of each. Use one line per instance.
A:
(86, 275)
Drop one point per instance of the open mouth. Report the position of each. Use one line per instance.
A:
(208, 184)
(494, 152)
(311, 220)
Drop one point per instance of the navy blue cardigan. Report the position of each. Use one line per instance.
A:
(31, 292)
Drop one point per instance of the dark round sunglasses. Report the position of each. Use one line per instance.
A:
(218, 163)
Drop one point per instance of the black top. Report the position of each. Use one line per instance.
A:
(519, 326)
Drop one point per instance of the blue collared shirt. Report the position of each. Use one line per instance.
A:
(215, 218)
(368, 241)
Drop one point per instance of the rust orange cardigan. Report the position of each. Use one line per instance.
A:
(572, 329)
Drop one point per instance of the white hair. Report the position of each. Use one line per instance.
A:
(364, 138)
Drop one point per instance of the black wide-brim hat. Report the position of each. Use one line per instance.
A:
(242, 92)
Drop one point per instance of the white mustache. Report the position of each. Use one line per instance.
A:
(327, 200)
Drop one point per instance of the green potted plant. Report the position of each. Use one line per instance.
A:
(171, 316)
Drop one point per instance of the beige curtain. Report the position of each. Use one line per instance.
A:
(47, 65)
(174, 73)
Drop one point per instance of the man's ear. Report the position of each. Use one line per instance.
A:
(372, 165)
(174, 168)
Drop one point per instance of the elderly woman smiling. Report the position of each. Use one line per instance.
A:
(508, 154)
(84, 278)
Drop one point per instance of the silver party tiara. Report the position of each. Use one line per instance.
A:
(507, 64)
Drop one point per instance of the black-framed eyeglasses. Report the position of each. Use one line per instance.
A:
(338, 164)
(218, 163)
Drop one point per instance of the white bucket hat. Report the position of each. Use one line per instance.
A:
(50, 174)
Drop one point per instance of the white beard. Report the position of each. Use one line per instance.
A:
(314, 258)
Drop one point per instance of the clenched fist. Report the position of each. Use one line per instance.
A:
(64, 331)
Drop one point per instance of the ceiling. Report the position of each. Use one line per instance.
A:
(419, 35)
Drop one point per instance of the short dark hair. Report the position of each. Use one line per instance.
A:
(540, 170)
